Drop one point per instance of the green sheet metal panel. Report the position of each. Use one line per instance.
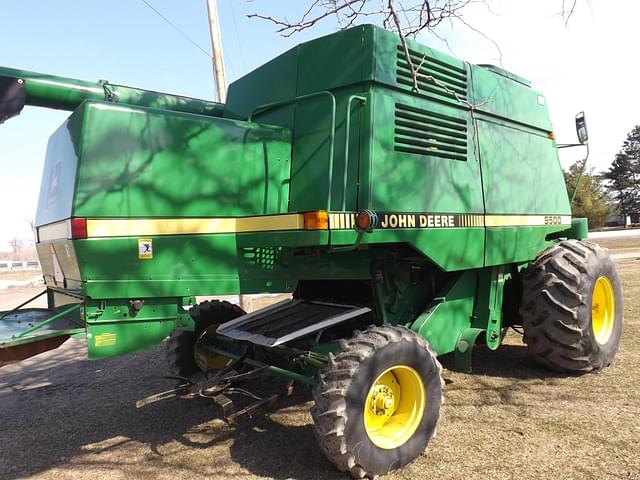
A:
(117, 338)
(311, 176)
(448, 314)
(336, 63)
(218, 264)
(517, 244)
(514, 160)
(423, 161)
(311, 155)
(442, 78)
(333, 61)
(275, 81)
(138, 162)
(451, 249)
(521, 174)
(521, 171)
(497, 92)
(181, 266)
(423, 157)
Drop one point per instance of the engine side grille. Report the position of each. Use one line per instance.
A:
(423, 132)
(264, 258)
(436, 77)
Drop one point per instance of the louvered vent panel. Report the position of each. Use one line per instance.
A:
(435, 76)
(427, 133)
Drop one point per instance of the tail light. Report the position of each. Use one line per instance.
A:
(366, 220)
(78, 228)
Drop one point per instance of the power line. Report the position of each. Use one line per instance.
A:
(235, 25)
(177, 29)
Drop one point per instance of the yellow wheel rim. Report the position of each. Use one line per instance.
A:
(394, 407)
(205, 360)
(603, 310)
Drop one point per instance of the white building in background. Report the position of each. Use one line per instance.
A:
(620, 221)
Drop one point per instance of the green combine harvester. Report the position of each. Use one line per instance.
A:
(408, 223)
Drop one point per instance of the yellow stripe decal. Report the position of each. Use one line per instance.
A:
(146, 227)
(395, 220)
(137, 227)
(526, 220)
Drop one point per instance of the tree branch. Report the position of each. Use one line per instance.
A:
(287, 29)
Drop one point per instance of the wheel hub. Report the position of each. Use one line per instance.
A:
(394, 407)
(602, 310)
(382, 402)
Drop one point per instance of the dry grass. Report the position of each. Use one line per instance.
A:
(66, 418)
(540, 426)
(620, 244)
(20, 275)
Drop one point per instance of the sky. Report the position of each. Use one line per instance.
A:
(589, 64)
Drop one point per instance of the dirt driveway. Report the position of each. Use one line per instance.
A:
(63, 417)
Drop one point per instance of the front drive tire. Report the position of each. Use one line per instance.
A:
(572, 307)
(378, 401)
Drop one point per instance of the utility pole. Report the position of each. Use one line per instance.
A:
(216, 51)
(221, 88)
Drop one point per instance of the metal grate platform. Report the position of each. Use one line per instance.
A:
(288, 320)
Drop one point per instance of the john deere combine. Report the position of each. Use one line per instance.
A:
(407, 222)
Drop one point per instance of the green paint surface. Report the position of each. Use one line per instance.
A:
(151, 163)
(273, 152)
(448, 314)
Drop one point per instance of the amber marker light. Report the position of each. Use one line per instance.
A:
(551, 135)
(318, 220)
(78, 228)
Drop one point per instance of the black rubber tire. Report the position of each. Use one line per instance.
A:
(343, 388)
(512, 301)
(180, 345)
(557, 302)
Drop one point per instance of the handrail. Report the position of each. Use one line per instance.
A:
(271, 106)
(346, 146)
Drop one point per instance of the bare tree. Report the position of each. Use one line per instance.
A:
(16, 244)
(406, 17)
(568, 8)
(425, 14)
(34, 231)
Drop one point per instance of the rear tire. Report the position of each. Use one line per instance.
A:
(572, 307)
(181, 344)
(378, 401)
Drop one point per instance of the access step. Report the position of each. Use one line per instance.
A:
(288, 320)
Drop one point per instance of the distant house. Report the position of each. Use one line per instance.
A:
(620, 221)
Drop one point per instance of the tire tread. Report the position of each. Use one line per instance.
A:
(552, 299)
(179, 346)
(330, 410)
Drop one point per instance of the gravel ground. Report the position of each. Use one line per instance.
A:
(64, 417)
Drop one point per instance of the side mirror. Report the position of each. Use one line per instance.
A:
(581, 128)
